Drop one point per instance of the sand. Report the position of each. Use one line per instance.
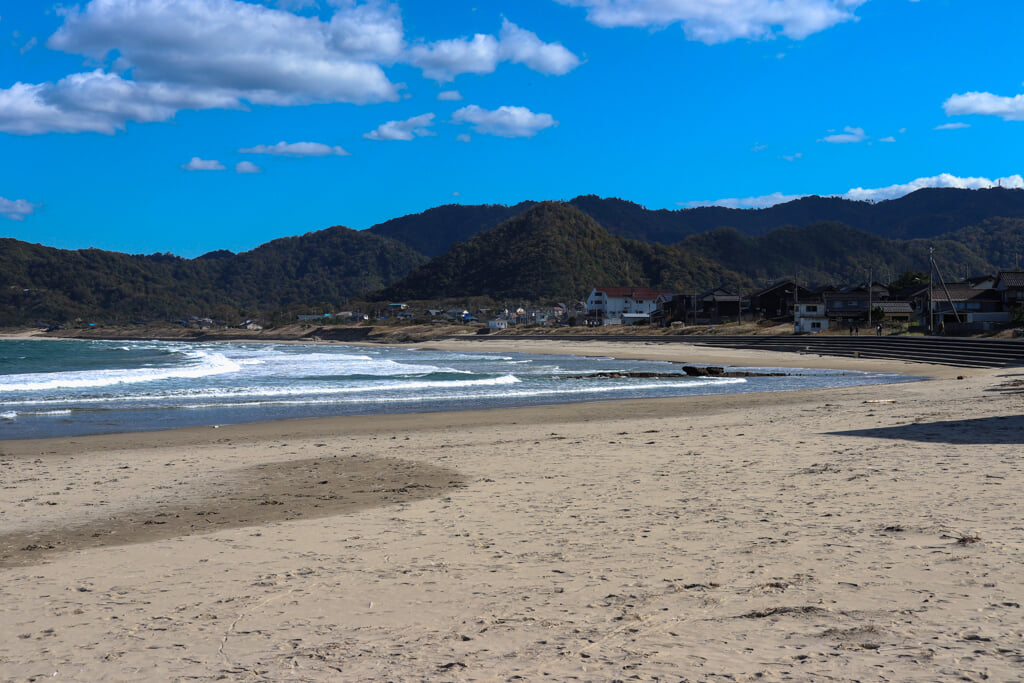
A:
(868, 533)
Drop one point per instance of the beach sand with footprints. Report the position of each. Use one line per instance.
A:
(866, 533)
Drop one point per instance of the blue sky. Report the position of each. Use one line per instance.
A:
(192, 125)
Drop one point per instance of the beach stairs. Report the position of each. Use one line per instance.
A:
(951, 351)
(956, 352)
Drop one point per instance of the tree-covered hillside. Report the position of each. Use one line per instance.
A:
(829, 253)
(41, 284)
(554, 251)
(926, 213)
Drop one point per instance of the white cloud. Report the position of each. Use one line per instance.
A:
(506, 122)
(417, 126)
(718, 21)
(941, 180)
(874, 194)
(1008, 108)
(793, 157)
(197, 164)
(848, 135)
(157, 57)
(524, 47)
(98, 102)
(296, 149)
(16, 209)
(449, 96)
(747, 203)
(888, 138)
(463, 137)
(952, 126)
(372, 31)
(247, 167)
(31, 43)
(445, 59)
(203, 54)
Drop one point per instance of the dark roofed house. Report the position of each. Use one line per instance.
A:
(976, 308)
(777, 300)
(1010, 284)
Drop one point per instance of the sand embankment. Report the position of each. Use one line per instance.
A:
(868, 533)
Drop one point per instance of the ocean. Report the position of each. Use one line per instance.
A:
(71, 388)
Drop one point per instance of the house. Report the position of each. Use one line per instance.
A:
(777, 300)
(719, 305)
(958, 303)
(497, 324)
(1010, 285)
(625, 304)
(810, 317)
(851, 304)
(896, 311)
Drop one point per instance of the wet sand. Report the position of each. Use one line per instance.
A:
(869, 533)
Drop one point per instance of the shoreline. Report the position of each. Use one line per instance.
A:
(863, 532)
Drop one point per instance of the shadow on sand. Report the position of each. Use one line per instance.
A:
(982, 430)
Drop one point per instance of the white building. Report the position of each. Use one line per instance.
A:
(628, 304)
(810, 317)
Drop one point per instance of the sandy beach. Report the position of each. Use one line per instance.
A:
(866, 533)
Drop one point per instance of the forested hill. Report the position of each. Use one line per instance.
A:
(42, 284)
(922, 214)
(435, 230)
(553, 250)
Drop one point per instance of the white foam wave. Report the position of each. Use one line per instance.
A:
(208, 364)
(469, 396)
(9, 415)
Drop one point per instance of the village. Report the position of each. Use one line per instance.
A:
(970, 306)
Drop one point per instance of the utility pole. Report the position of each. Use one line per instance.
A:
(869, 297)
(931, 303)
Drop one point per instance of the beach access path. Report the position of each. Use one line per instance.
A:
(865, 533)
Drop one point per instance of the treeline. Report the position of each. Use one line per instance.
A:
(45, 285)
(538, 252)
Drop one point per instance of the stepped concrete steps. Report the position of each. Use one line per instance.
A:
(956, 352)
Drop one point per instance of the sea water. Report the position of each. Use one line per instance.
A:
(71, 387)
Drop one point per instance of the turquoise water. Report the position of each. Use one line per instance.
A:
(64, 388)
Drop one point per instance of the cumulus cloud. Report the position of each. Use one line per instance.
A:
(197, 164)
(506, 122)
(417, 126)
(874, 194)
(719, 21)
(98, 102)
(848, 135)
(157, 57)
(445, 59)
(203, 54)
(16, 209)
(941, 180)
(296, 149)
(247, 167)
(1007, 108)
(449, 96)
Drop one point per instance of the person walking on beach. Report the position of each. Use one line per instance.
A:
(878, 330)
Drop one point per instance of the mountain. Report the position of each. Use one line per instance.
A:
(554, 251)
(434, 231)
(42, 284)
(830, 253)
(922, 214)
